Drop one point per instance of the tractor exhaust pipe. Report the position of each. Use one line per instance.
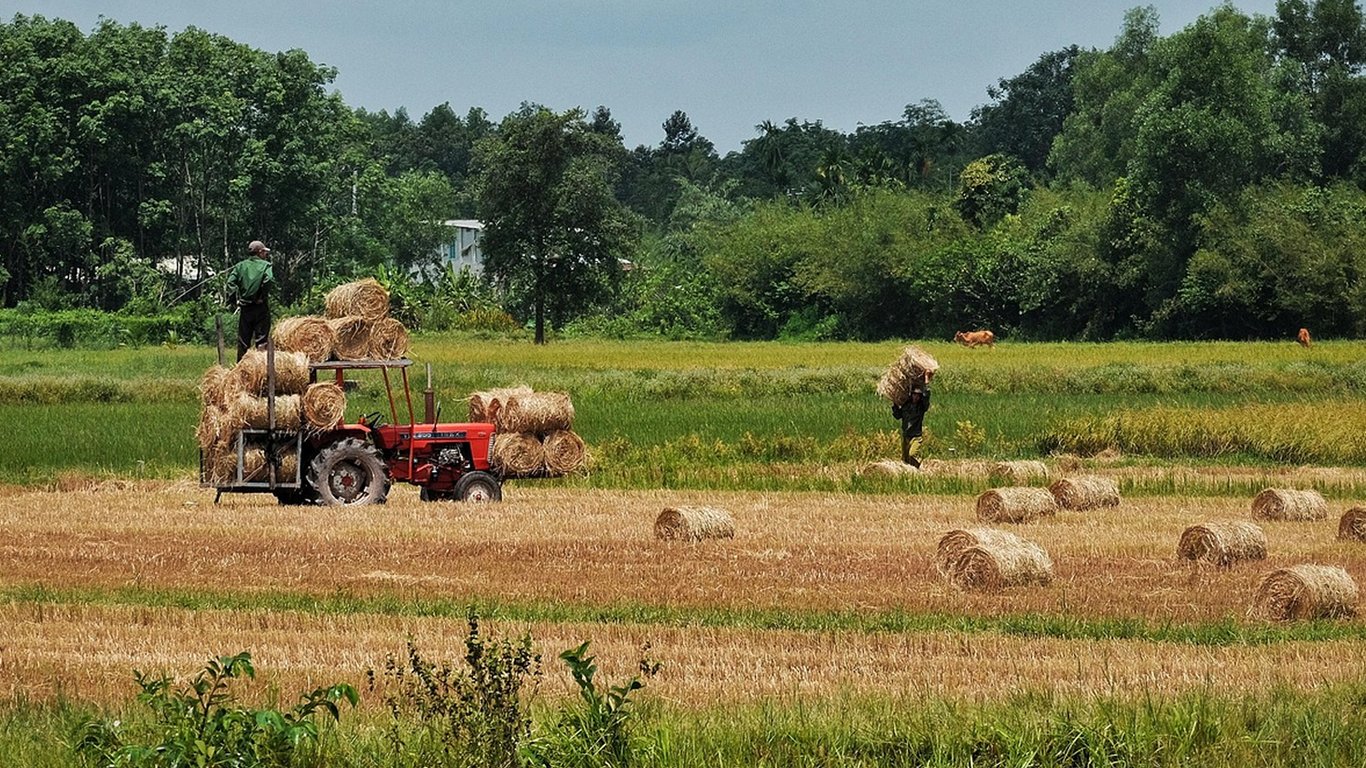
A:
(429, 399)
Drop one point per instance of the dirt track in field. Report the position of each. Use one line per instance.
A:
(793, 552)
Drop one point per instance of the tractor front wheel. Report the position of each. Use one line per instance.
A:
(478, 487)
(349, 473)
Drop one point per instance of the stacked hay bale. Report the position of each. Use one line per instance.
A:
(235, 399)
(536, 435)
(913, 367)
(357, 314)
(1223, 543)
(988, 559)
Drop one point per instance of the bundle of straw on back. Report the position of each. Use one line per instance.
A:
(518, 454)
(484, 406)
(1289, 504)
(365, 298)
(1222, 544)
(565, 452)
(694, 524)
(388, 339)
(1352, 526)
(1019, 472)
(910, 368)
(249, 376)
(539, 412)
(251, 411)
(889, 468)
(212, 428)
(982, 558)
(1015, 505)
(352, 337)
(1306, 592)
(212, 384)
(324, 405)
(311, 335)
(1085, 492)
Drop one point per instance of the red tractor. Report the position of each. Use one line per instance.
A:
(355, 464)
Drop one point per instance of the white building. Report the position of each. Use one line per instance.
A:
(462, 248)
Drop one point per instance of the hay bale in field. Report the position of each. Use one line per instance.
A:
(539, 412)
(1085, 492)
(1289, 504)
(1306, 592)
(911, 368)
(518, 454)
(888, 468)
(324, 405)
(249, 411)
(366, 299)
(565, 452)
(212, 386)
(484, 406)
(249, 376)
(352, 337)
(1222, 544)
(212, 429)
(694, 524)
(310, 334)
(388, 339)
(1015, 505)
(1352, 526)
(1019, 472)
(987, 559)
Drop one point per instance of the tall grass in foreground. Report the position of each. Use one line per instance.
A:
(1280, 728)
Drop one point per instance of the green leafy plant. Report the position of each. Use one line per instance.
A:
(597, 733)
(202, 724)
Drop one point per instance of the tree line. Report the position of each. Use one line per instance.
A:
(1204, 184)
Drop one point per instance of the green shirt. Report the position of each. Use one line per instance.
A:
(250, 279)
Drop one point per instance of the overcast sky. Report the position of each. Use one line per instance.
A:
(730, 64)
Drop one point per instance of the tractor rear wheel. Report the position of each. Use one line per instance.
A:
(349, 473)
(478, 487)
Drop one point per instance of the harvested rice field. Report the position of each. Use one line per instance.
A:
(816, 594)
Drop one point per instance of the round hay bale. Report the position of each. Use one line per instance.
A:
(249, 376)
(1306, 592)
(352, 335)
(310, 334)
(212, 386)
(388, 339)
(324, 405)
(910, 368)
(1015, 505)
(1222, 544)
(484, 406)
(1085, 492)
(539, 412)
(1019, 472)
(565, 452)
(212, 429)
(888, 468)
(694, 524)
(249, 411)
(288, 470)
(986, 559)
(254, 464)
(366, 299)
(220, 464)
(1352, 526)
(518, 454)
(1289, 504)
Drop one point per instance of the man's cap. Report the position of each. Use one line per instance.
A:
(256, 246)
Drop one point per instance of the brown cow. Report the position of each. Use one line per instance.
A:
(975, 338)
(1304, 339)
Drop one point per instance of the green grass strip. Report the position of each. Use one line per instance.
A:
(1221, 633)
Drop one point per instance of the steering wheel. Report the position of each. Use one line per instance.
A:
(373, 420)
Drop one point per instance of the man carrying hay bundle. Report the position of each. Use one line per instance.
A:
(249, 282)
(907, 384)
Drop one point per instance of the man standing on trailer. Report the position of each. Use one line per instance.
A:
(249, 282)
